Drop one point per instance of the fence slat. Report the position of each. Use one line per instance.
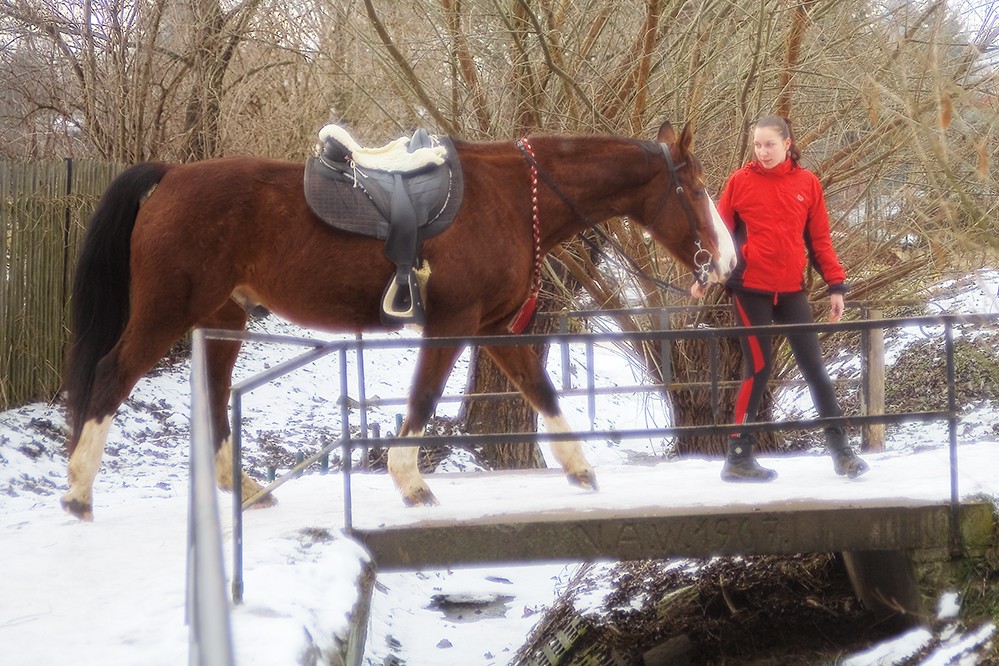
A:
(43, 213)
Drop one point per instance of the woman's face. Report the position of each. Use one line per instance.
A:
(769, 147)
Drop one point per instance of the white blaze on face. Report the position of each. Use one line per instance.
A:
(726, 259)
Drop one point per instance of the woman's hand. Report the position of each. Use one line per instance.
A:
(697, 289)
(836, 307)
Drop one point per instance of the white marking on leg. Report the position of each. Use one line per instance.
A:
(86, 462)
(726, 261)
(567, 452)
(404, 469)
(223, 472)
(223, 465)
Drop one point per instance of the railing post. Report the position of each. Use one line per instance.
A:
(591, 402)
(236, 449)
(872, 370)
(362, 395)
(563, 328)
(348, 519)
(715, 394)
(665, 358)
(208, 612)
(952, 412)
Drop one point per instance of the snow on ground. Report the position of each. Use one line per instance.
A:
(112, 592)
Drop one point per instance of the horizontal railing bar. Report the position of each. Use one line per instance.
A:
(603, 390)
(671, 309)
(643, 433)
(265, 376)
(642, 336)
(437, 441)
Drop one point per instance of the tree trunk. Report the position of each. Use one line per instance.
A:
(486, 415)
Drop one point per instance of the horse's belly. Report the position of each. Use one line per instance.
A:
(328, 307)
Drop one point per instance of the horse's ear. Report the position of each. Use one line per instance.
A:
(666, 133)
(686, 138)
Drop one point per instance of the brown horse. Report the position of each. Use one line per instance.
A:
(170, 247)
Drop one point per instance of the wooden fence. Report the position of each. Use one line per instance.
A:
(44, 206)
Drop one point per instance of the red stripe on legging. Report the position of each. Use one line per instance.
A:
(742, 399)
(754, 342)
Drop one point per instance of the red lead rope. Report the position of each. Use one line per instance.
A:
(526, 312)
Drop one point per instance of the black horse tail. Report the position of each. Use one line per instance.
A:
(100, 305)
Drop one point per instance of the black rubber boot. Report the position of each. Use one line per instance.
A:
(845, 461)
(741, 466)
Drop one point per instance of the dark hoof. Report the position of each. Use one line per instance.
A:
(747, 471)
(265, 502)
(585, 479)
(84, 512)
(421, 497)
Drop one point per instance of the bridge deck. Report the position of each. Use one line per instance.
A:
(657, 533)
(668, 510)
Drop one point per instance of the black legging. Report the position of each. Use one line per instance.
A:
(757, 351)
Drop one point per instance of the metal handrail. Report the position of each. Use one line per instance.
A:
(358, 345)
(207, 607)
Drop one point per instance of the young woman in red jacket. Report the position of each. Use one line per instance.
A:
(776, 212)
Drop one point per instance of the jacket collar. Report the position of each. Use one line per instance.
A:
(781, 169)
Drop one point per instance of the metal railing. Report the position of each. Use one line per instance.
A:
(357, 346)
(207, 605)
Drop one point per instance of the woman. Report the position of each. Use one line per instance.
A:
(776, 212)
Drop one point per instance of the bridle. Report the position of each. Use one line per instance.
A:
(702, 257)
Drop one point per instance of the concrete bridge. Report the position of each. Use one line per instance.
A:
(777, 528)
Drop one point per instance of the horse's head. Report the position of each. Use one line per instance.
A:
(701, 242)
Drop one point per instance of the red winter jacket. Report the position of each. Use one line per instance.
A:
(779, 221)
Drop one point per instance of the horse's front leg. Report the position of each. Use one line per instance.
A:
(220, 358)
(433, 365)
(522, 365)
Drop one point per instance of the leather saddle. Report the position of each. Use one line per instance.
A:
(400, 198)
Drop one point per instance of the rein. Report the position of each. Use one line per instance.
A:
(632, 267)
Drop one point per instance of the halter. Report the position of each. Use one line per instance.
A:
(702, 257)
(701, 264)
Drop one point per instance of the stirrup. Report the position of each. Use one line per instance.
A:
(403, 303)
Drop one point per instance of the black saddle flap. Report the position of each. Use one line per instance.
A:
(359, 199)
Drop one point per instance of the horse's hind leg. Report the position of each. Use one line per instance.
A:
(138, 349)
(84, 463)
(220, 357)
(433, 366)
(525, 370)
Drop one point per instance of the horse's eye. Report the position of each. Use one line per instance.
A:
(699, 193)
